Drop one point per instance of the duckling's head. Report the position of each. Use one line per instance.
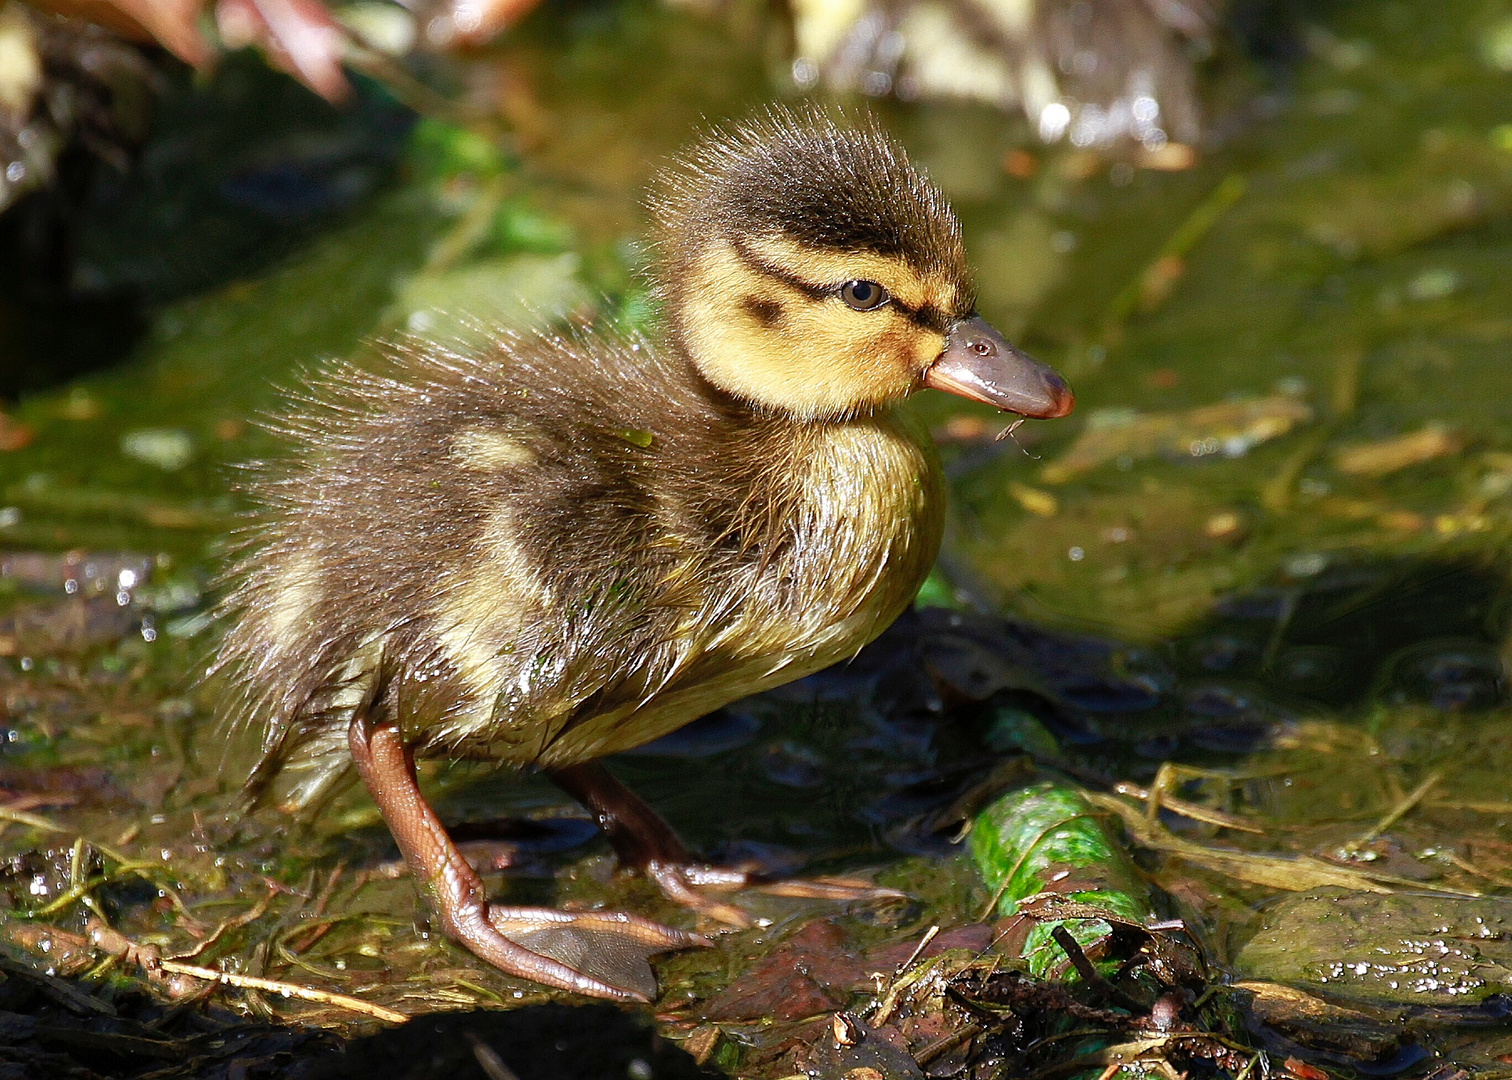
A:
(808, 268)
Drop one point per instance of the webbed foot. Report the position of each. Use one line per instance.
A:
(598, 953)
(613, 947)
(644, 841)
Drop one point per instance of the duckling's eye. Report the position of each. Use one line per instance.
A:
(863, 295)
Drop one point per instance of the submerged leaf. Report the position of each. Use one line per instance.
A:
(1228, 429)
(1393, 455)
(1048, 839)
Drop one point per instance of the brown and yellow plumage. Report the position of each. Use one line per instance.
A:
(490, 549)
(557, 547)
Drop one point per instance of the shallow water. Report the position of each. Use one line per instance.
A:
(1274, 529)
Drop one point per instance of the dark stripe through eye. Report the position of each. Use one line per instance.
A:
(859, 294)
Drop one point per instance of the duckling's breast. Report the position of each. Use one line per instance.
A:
(838, 534)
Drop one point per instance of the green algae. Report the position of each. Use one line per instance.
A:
(1048, 838)
(1402, 949)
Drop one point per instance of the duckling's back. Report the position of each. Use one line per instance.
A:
(555, 549)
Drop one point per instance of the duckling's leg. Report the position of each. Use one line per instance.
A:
(644, 841)
(614, 941)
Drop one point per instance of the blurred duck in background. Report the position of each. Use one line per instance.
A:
(1097, 73)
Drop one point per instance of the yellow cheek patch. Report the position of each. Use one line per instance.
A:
(799, 354)
(926, 345)
(769, 340)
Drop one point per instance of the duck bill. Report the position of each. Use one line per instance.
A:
(978, 363)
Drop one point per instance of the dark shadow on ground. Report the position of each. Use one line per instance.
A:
(540, 1042)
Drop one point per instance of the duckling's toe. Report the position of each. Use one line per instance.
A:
(611, 947)
(680, 882)
(645, 842)
(837, 889)
(682, 885)
(657, 937)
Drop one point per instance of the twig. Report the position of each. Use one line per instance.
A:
(1470, 868)
(883, 1009)
(929, 935)
(945, 1043)
(1473, 806)
(312, 934)
(1180, 243)
(1293, 873)
(1089, 973)
(233, 923)
(36, 821)
(113, 942)
(1156, 800)
(284, 989)
(1397, 812)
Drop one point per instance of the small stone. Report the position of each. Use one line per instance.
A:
(15, 435)
(1222, 525)
(1034, 500)
(170, 449)
(1020, 163)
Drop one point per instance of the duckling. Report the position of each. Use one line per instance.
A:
(565, 545)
